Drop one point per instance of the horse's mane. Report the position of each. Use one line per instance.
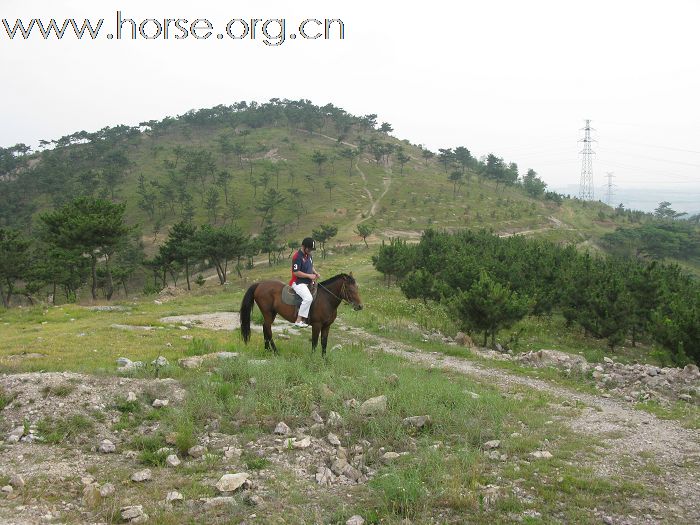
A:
(350, 278)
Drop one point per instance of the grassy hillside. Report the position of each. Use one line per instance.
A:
(400, 200)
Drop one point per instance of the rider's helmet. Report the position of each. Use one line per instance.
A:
(309, 243)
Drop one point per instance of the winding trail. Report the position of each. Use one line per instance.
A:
(631, 437)
(373, 204)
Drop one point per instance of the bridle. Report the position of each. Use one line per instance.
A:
(343, 293)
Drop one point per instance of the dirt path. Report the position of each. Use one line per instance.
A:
(386, 180)
(367, 191)
(632, 437)
(555, 224)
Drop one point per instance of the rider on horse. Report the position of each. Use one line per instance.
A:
(303, 274)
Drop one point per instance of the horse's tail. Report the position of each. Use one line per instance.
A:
(246, 309)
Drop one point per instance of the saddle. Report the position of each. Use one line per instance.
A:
(289, 296)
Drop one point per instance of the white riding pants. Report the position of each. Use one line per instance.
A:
(302, 291)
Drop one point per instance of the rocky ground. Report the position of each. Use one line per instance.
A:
(43, 482)
(632, 437)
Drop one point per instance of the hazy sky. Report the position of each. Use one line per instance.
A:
(510, 77)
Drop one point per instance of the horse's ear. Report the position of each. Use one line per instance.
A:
(350, 274)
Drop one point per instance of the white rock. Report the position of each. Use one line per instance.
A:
(173, 497)
(541, 454)
(124, 362)
(107, 447)
(142, 475)
(132, 512)
(226, 355)
(305, 442)
(172, 460)
(7, 489)
(282, 429)
(333, 439)
(87, 480)
(231, 482)
(390, 456)
(232, 452)
(197, 451)
(160, 361)
(218, 501)
(254, 500)
(417, 421)
(355, 520)
(160, 403)
(374, 405)
(342, 468)
(131, 397)
(334, 419)
(107, 490)
(324, 476)
(16, 481)
(15, 435)
(190, 362)
(495, 443)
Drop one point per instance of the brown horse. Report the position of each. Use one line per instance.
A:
(268, 296)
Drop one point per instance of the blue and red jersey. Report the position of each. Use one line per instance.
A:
(301, 263)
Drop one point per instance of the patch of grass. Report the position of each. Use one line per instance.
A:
(253, 462)
(127, 407)
(185, 431)
(148, 443)
(6, 398)
(150, 448)
(256, 316)
(63, 390)
(403, 491)
(57, 431)
(153, 459)
(201, 347)
(687, 414)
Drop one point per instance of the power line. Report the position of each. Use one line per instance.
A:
(658, 147)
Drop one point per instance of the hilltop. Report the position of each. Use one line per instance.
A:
(216, 165)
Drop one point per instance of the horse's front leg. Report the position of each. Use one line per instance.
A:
(267, 333)
(324, 339)
(315, 330)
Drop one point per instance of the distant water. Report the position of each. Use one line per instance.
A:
(647, 199)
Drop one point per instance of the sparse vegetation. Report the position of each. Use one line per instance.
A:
(55, 431)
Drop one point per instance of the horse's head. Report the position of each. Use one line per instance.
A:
(351, 292)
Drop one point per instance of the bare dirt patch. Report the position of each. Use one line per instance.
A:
(225, 321)
(404, 234)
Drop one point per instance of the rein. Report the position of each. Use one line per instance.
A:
(342, 290)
